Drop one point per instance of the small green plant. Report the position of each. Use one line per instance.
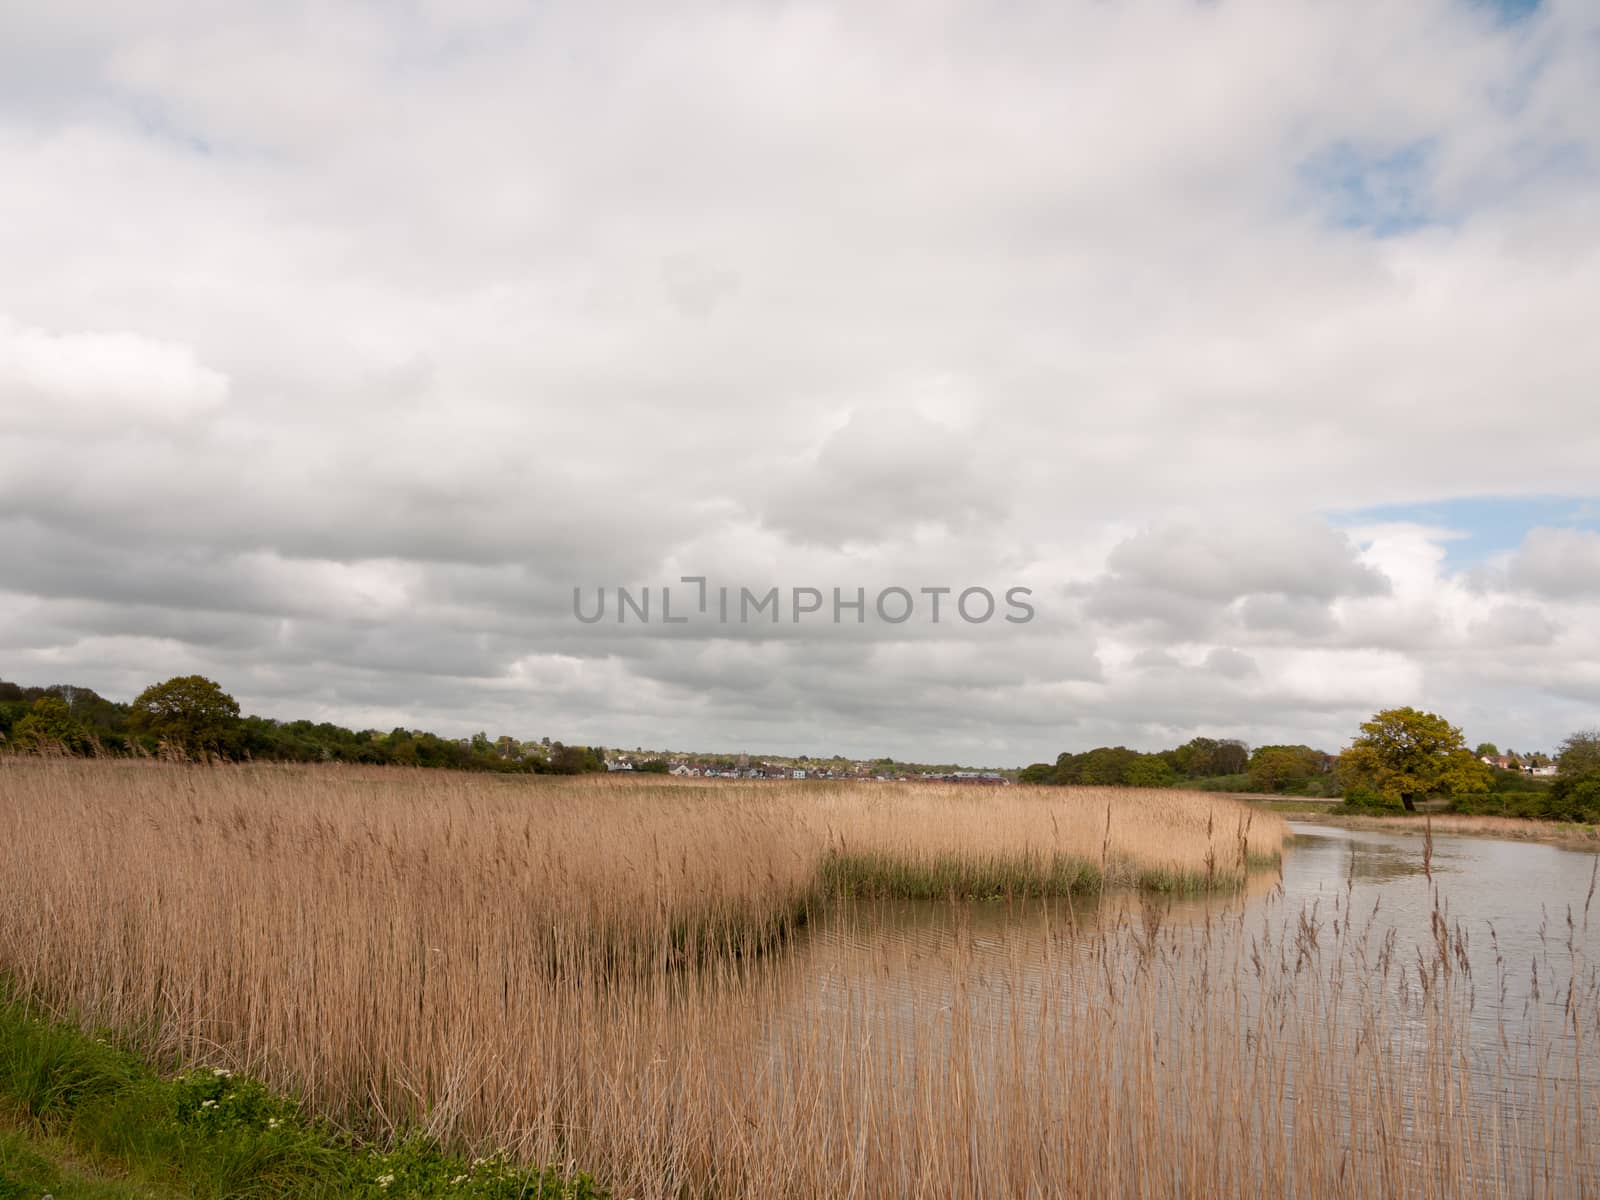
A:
(417, 1168)
(226, 1134)
(215, 1100)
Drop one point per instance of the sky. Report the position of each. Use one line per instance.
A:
(339, 345)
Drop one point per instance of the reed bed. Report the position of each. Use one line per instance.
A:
(603, 973)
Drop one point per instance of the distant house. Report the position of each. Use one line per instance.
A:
(1545, 769)
(797, 774)
(1503, 761)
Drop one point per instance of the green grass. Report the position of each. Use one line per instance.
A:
(1291, 804)
(33, 1164)
(880, 876)
(80, 1117)
(887, 877)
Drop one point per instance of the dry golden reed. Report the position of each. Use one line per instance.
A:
(648, 980)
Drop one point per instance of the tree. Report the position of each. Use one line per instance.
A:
(1149, 771)
(1232, 756)
(576, 760)
(48, 728)
(1036, 773)
(1404, 754)
(1487, 750)
(190, 713)
(1284, 768)
(1579, 754)
(1104, 766)
(1204, 757)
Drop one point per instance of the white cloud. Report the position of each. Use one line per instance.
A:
(88, 382)
(342, 345)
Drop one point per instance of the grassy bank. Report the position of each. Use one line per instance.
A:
(1514, 829)
(82, 1117)
(1446, 818)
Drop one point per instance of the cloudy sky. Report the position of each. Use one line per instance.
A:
(340, 343)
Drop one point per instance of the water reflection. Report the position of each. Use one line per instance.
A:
(1516, 902)
(1328, 1032)
(1506, 921)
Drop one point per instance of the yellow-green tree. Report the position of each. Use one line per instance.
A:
(1404, 754)
(1282, 768)
(48, 728)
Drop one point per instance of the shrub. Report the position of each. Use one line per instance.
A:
(1568, 800)
(1362, 798)
(1221, 783)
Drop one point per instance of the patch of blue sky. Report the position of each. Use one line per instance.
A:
(1383, 191)
(1483, 526)
(1511, 10)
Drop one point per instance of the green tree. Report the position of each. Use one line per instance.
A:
(1404, 754)
(576, 760)
(48, 728)
(1104, 766)
(191, 714)
(1204, 757)
(1149, 771)
(1036, 773)
(1579, 754)
(1487, 750)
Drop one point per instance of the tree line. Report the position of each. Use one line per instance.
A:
(1215, 764)
(1398, 758)
(191, 718)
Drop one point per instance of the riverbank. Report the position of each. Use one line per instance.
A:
(1568, 834)
(81, 1119)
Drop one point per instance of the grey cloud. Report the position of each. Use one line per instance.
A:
(1276, 613)
(1561, 563)
(1224, 561)
(1234, 664)
(1168, 614)
(1182, 577)
(1154, 659)
(1515, 625)
(883, 473)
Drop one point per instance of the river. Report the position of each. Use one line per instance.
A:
(1467, 970)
